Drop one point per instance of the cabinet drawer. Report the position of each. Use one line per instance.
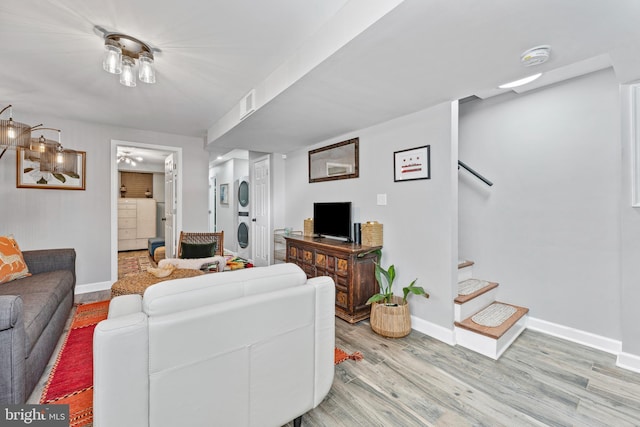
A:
(341, 298)
(126, 233)
(310, 270)
(126, 223)
(342, 266)
(293, 252)
(127, 213)
(127, 204)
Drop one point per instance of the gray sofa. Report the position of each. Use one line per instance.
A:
(33, 313)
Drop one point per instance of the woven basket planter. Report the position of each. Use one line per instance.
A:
(391, 321)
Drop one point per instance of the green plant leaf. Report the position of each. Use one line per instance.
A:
(73, 175)
(42, 181)
(376, 298)
(27, 170)
(412, 288)
(60, 177)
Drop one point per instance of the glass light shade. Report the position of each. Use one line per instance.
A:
(67, 162)
(48, 159)
(112, 61)
(128, 76)
(38, 144)
(147, 73)
(14, 134)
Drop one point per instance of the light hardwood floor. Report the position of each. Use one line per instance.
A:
(419, 381)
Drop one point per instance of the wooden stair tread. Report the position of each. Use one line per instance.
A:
(461, 299)
(494, 332)
(463, 264)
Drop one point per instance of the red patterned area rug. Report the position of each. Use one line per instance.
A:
(71, 379)
(341, 356)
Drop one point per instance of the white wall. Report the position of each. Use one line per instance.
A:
(549, 229)
(419, 221)
(81, 219)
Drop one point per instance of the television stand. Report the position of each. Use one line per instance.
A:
(350, 266)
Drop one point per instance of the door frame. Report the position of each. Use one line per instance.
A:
(115, 193)
(252, 229)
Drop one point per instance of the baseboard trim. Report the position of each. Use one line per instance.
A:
(575, 335)
(445, 335)
(628, 361)
(92, 287)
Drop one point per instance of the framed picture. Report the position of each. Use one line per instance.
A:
(412, 164)
(224, 194)
(67, 172)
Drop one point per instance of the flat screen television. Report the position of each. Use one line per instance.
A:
(332, 219)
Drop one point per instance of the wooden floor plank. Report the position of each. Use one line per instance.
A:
(419, 381)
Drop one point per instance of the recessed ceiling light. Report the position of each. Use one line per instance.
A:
(536, 55)
(520, 82)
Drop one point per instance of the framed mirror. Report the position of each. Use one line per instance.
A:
(336, 161)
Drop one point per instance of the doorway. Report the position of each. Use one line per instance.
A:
(153, 153)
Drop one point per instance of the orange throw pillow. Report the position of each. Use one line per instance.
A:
(12, 265)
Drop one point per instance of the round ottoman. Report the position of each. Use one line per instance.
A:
(159, 254)
(136, 283)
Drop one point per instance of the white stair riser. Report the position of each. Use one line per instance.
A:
(487, 346)
(465, 273)
(471, 307)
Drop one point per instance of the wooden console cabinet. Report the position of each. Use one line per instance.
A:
(350, 266)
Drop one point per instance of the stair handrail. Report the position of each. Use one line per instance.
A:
(474, 173)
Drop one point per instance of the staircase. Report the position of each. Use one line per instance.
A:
(477, 299)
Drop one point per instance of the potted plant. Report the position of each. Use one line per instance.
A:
(390, 316)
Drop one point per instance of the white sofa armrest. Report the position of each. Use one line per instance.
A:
(125, 304)
(121, 371)
(325, 335)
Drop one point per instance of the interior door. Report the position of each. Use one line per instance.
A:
(171, 205)
(261, 208)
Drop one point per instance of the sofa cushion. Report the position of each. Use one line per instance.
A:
(198, 250)
(41, 295)
(12, 265)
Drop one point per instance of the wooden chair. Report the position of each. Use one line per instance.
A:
(202, 238)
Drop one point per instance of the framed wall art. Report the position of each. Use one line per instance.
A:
(65, 170)
(224, 194)
(412, 164)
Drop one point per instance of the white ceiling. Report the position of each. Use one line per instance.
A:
(214, 52)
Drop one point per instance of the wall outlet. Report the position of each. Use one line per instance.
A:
(382, 199)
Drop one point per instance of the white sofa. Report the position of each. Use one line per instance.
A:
(250, 347)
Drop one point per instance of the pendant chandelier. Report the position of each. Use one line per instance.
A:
(52, 156)
(13, 135)
(120, 54)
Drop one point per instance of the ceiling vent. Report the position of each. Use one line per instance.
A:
(248, 104)
(536, 55)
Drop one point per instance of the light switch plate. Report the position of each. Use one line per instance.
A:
(382, 199)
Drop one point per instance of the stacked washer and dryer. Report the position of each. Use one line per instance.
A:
(244, 221)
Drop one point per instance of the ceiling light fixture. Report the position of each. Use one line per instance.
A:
(125, 157)
(120, 54)
(520, 82)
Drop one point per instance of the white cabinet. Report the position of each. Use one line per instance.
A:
(136, 223)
